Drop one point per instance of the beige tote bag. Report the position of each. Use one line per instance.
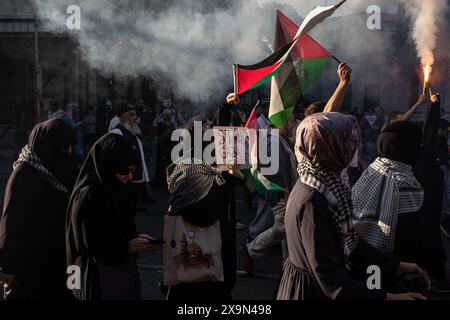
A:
(191, 254)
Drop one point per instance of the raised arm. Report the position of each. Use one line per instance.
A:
(337, 99)
(431, 127)
(408, 115)
(223, 114)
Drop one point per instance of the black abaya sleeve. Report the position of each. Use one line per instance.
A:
(13, 224)
(100, 231)
(223, 115)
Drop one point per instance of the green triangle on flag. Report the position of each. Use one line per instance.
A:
(261, 184)
(304, 64)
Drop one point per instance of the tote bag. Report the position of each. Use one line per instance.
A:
(191, 254)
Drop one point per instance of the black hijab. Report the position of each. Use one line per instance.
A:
(401, 141)
(110, 154)
(48, 140)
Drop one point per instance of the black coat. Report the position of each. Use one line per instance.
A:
(97, 224)
(32, 232)
(431, 177)
(32, 245)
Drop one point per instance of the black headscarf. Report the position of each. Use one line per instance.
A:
(110, 154)
(401, 141)
(49, 138)
(45, 152)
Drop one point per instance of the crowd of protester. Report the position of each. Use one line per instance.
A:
(360, 189)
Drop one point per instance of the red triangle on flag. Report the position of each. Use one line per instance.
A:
(306, 47)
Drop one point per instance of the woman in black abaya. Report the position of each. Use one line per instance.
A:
(97, 224)
(32, 250)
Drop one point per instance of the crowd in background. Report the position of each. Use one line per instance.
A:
(356, 190)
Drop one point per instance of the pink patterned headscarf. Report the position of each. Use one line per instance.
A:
(327, 139)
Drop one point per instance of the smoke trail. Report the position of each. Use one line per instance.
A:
(186, 46)
(426, 17)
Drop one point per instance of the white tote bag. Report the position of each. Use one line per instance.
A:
(191, 254)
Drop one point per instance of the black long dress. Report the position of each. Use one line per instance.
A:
(430, 176)
(97, 224)
(315, 269)
(32, 245)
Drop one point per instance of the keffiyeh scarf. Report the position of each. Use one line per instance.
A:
(189, 183)
(29, 157)
(338, 196)
(386, 189)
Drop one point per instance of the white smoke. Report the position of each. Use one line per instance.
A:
(193, 42)
(426, 18)
(189, 46)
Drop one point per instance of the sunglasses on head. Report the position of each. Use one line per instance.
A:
(126, 171)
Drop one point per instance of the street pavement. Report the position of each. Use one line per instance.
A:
(150, 220)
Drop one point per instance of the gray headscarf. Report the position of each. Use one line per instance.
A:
(190, 183)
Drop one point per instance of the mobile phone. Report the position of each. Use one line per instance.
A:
(156, 241)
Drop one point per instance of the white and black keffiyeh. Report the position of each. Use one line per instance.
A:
(29, 157)
(338, 196)
(386, 189)
(189, 183)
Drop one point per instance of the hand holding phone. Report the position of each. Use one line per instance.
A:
(156, 241)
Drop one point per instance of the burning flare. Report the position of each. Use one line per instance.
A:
(426, 76)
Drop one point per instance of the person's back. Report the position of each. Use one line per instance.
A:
(388, 197)
(44, 223)
(32, 225)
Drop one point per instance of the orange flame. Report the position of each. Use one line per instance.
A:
(426, 72)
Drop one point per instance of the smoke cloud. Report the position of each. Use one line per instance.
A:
(188, 47)
(426, 18)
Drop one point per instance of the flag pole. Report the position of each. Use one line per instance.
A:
(340, 3)
(235, 80)
(254, 110)
(336, 59)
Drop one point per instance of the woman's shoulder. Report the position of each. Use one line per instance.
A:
(302, 193)
(306, 203)
(25, 174)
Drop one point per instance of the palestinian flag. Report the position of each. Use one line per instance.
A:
(305, 62)
(255, 180)
(259, 182)
(250, 77)
(252, 125)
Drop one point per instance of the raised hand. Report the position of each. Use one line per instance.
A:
(344, 73)
(422, 99)
(434, 97)
(232, 98)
